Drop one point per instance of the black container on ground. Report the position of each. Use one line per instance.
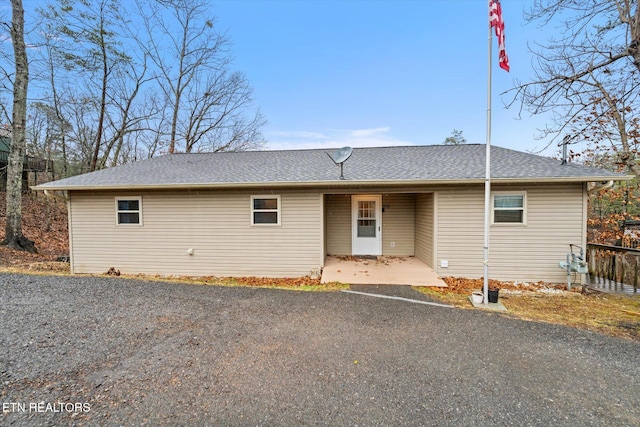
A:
(493, 295)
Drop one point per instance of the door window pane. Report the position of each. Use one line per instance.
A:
(366, 228)
(366, 218)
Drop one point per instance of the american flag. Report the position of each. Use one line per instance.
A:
(495, 20)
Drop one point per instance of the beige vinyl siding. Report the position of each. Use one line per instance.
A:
(460, 232)
(338, 224)
(433, 223)
(554, 220)
(424, 227)
(398, 224)
(216, 225)
(531, 252)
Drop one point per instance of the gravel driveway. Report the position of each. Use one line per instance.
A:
(102, 351)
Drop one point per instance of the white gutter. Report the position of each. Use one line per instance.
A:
(333, 184)
(602, 186)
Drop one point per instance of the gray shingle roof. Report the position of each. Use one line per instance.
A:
(417, 164)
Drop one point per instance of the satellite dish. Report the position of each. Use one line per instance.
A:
(340, 156)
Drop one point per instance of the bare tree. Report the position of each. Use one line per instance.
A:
(60, 126)
(128, 116)
(13, 231)
(113, 93)
(592, 65)
(207, 101)
(153, 141)
(92, 30)
(47, 135)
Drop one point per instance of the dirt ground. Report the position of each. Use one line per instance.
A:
(44, 220)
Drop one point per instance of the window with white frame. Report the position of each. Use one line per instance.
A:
(129, 210)
(509, 208)
(265, 210)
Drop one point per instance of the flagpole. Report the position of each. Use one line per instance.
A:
(487, 180)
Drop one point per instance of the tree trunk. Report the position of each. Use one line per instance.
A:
(633, 19)
(103, 100)
(13, 230)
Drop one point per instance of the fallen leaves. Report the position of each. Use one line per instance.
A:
(305, 283)
(44, 221)
(460, 285)
(112, 272)
(271, 282)
(50, 266)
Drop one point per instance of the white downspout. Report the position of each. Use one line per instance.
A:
(64, 197)
(602, 186)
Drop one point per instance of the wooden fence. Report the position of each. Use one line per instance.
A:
(614, 263)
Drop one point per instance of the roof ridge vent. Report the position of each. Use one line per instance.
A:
(565, 142)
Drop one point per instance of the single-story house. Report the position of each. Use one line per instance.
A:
(282, 213)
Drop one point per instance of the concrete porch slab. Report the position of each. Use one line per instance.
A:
(381, 271)
(497, 306)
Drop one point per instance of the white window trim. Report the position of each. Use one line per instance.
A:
(139, 199)
(278, 210)
(524, 208)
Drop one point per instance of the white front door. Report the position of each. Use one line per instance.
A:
(366, 225)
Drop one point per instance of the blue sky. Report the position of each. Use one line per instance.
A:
(377, 72)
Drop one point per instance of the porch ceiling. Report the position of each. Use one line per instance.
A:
(382, 271)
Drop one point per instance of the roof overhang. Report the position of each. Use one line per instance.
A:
(333, 184)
